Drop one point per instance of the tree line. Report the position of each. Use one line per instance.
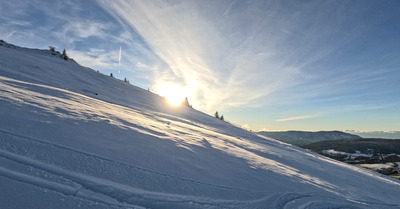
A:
(219, 117)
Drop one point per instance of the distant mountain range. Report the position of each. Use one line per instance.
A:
(301, 138)
(382, 146)
(342, 146)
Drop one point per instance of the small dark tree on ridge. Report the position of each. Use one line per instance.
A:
(186, 102)
(64, 55)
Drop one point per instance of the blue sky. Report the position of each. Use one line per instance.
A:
(268, 65)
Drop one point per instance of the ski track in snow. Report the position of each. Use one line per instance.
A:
(96, 189)
(55, 146)
(117, 194)
(112, 193)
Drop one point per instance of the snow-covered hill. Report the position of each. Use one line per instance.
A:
(74, 138)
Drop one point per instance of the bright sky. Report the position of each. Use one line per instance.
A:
(269, 65)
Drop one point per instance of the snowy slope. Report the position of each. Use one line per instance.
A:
(63, 146)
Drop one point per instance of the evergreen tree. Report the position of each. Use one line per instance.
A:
(216, 115)
(186, 102)
(111, 75)
(52, 48)
(64, 55)
(222, 117)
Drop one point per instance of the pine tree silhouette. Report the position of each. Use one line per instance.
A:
(186, 102)
(64, 55)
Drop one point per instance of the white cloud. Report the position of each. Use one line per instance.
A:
(270, 130)
(96, 58)
(297, 118)
(84, 28)
(10, 34)
(224, 58)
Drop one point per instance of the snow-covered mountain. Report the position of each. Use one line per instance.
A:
(73, 138)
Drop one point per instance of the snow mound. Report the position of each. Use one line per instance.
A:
(71, 137)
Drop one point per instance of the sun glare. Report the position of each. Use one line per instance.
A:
(174, 94)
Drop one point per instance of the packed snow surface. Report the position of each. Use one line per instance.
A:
(74, 138)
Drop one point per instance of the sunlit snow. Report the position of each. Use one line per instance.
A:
(72, 137)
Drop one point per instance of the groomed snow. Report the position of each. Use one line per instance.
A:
(63, 146)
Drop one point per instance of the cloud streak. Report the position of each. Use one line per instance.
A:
(296, 118)
(207, 51)
(236, 53)
(96, 58)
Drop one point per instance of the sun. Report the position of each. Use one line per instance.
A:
(174, 94)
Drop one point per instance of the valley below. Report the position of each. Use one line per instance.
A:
(380, 155)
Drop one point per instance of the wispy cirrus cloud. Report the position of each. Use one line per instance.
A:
(89, 35)
(236, 53)
(81, 29)
(218, 55)
(297, 118)
(97, 58)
